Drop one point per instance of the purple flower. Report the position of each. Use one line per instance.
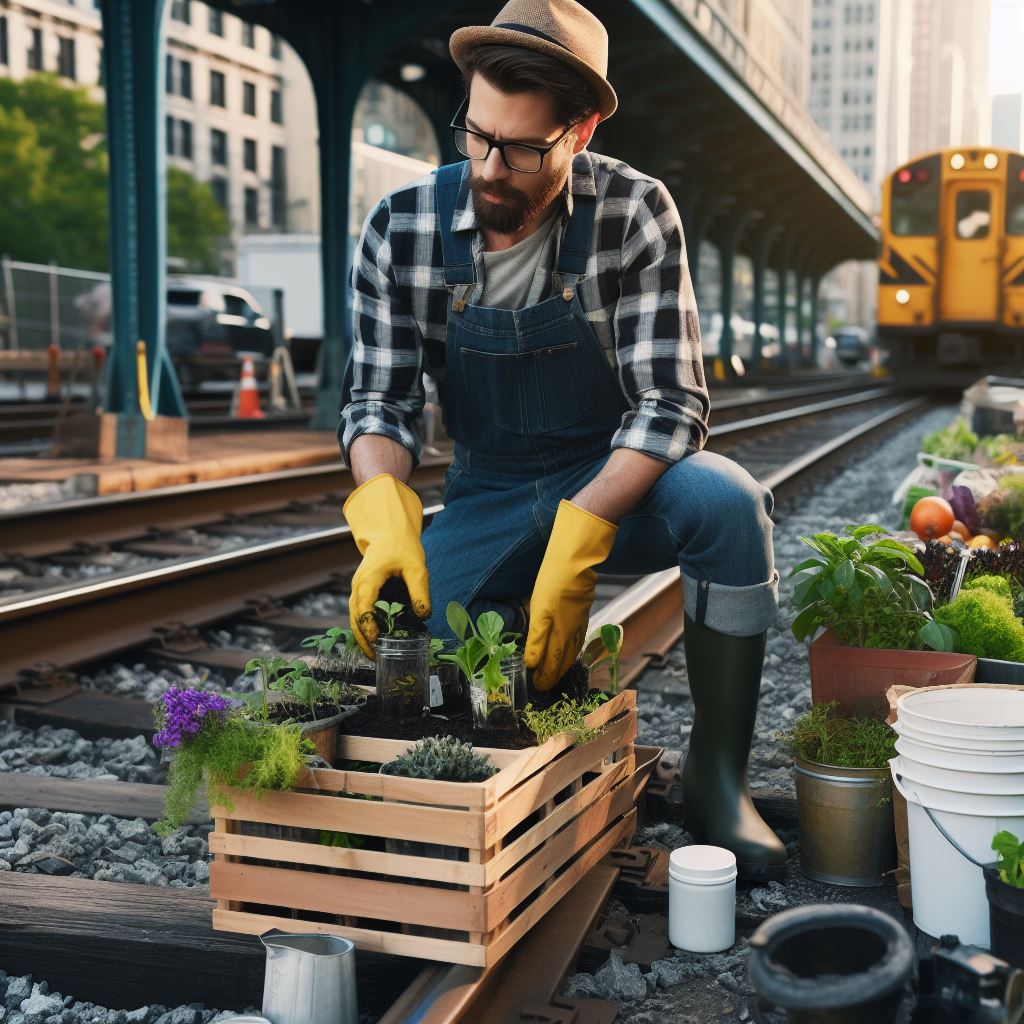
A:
(183, 712)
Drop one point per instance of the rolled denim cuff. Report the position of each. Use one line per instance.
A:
(737, 611)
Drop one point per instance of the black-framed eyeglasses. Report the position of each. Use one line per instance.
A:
(518, 156)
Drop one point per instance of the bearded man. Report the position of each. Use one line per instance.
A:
(545, 289)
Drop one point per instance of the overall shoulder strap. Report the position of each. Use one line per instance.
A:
(579, 232)
(456, 247)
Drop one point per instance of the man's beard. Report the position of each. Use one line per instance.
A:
(518, 209)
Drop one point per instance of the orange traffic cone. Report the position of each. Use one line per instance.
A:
(247, 397)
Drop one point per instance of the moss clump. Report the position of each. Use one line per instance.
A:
(219, 754)
(993, 584)
(823, 737)
(985, 623)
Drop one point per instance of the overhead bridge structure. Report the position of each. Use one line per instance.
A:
(699, 109)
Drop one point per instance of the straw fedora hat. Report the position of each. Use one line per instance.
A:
(562, 29)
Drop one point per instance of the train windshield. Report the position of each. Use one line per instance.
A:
(973, 214)
(914, 206)
(1015, 195)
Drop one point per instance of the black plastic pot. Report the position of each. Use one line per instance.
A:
(992, 670)
(1006, 918)
(831, 964)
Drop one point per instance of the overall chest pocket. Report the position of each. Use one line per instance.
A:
(538, 392)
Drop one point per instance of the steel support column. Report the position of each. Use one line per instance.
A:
(759, 261)
(133, 64)
(727, 264)
(782, 264)
(815, 281)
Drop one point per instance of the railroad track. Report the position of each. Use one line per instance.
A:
(74, 625)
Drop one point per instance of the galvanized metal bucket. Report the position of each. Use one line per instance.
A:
(846, 825)
(310, 979)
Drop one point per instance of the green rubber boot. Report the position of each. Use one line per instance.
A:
(725, 679)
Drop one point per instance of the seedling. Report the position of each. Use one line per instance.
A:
(390, 610)
(298, 686)
(484, 645)
(604, 643)
(334, 639)
(1011, 858)
(268, 669)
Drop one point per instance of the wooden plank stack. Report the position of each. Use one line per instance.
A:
(450, 871)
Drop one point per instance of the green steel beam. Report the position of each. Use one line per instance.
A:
(134, 74)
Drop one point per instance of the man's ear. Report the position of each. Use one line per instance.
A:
(585, 132)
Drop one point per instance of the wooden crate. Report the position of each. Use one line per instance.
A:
(523, 839)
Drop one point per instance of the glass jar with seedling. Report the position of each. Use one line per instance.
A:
(339, 658)
(486, 656)
(403, 667)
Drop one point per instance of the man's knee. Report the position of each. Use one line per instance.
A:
(719, 491)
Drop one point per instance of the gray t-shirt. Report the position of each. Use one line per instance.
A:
(514, 275)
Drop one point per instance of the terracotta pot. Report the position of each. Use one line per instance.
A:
(858, 677)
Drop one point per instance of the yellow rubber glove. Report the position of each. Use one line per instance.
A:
(386, 519)
(564, 592)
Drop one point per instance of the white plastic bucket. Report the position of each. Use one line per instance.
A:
(969, 712)
(985, 744)
(977, 782)
(948, 890)
(960, 760)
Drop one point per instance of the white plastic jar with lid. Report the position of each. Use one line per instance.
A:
(702, 899)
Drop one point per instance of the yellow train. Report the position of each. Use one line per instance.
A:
(951, 266)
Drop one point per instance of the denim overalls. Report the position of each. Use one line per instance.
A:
(531, 402)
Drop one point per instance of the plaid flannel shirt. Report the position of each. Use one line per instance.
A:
(636, 293)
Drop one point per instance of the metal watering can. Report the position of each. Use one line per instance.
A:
(310, 979)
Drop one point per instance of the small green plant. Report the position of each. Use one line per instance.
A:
(268, 669)
(604, 643)
(211, 742)
(443, 758)
(823, 737)
(985, 624)
(389, 611)
(436, 647)
(564, 716)
(869, 591)
(957, 441)
(334, 639)
(484, 645)
(1010, 861)
(298, 686)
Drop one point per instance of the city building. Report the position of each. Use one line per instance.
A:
(223, 83)
(949, 104)
(1008, 121)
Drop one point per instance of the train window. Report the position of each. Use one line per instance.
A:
(973, 214)
(914, 207)
(1015, 195)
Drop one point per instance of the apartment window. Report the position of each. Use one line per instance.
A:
(277, 189)
(275, 46)
(218, 147)
(252, 207)
(35, 51)
(181, 10)
(66, 57)
(249, 149)
(185, 139)
(249, 35)
(185, 79)
(220, 192)
(276, 107)
(216, 23)
(4, 57)
(249, 98)
(169, 135)
(169, 75)
(217, 89)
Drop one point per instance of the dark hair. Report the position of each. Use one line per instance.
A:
(515, 69)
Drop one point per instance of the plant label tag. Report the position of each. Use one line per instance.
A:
(436, 698)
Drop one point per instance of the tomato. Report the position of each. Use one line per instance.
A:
(960, 530)
(932, 517)
(981, 541)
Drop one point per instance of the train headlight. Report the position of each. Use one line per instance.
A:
(957, 161)
(991, 161)
(902, 296)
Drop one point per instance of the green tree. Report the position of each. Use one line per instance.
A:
(54, 173)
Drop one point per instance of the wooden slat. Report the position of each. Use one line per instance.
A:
(444, 950)
(529, 917)
(371, 861)
(88, 796)
(530, 795)
(363, 817)
(545, 863)
(345, 895)
(391, 787)
(124, 945)
(592, 792)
